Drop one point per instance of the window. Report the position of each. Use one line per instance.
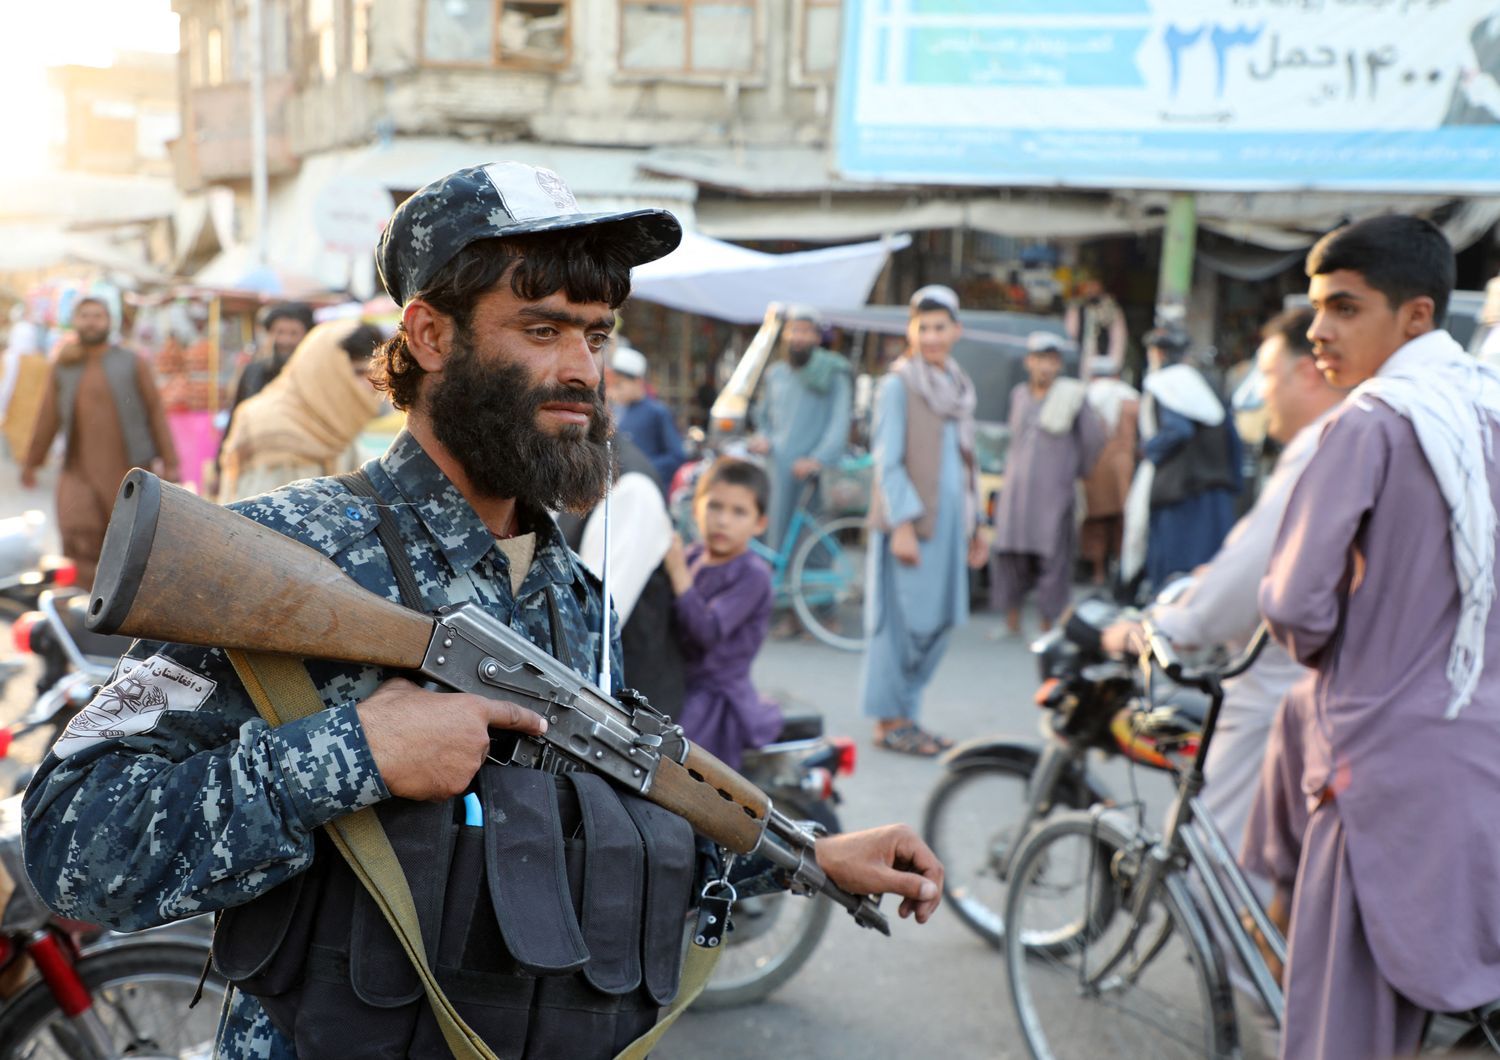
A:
(497, 32)
(213, 56)
(322, 55)
(820, 38)
(688, 36)
(359, 36)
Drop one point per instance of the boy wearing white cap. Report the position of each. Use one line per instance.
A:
(923, 523)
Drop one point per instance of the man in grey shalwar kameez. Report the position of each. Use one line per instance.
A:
(802, 416)
(923, 523)
(1382, 580)
(1055, 437)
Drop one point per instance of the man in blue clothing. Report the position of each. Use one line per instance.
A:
(639, 416)
(175, 798)
(1189, 474)
(802, 416)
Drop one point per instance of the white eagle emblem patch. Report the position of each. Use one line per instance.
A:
(134, 702)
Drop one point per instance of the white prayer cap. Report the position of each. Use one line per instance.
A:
(803, 311)
(946, 297)
(1042, 341)
(627, 360)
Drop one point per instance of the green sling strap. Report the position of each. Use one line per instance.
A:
(283, 691)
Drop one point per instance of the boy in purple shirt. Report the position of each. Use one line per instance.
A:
(1382, 581)
(723, 613)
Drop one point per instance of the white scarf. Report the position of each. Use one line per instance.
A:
(1061, 405)
(1181, 388)
(1449, 398)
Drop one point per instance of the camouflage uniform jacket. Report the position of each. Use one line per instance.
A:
(199, 805)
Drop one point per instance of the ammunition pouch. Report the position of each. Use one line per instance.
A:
(555, 929)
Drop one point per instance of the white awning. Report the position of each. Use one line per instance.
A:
(718, 279)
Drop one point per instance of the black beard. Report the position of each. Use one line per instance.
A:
(93, 338)
(485, 416)
(799, 356)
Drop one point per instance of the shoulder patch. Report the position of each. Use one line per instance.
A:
(133, 702)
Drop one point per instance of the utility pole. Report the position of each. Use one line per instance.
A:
(1178, 243)
(259, 188)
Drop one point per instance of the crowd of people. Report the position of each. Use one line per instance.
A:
(1355, 764)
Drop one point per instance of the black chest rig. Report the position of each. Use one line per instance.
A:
(555, 927)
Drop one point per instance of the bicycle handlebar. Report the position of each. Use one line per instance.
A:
(1165, 657)
(1160, 649)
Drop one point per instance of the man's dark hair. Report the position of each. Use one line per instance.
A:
(90, 300)
(1291, 326)
(360, 343)
(731, 472)
(584, 265)
(932, 305)
(1401, 256)
(301, 312)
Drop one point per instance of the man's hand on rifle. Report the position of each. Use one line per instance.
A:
(429, 745)
(887, 860)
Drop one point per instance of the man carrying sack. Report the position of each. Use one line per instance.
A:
(546, 911)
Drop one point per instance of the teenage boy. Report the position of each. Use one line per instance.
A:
(1382, 580)
(922, 522)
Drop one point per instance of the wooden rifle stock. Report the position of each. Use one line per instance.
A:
(181, 569)
(701, 789)
(178, 568)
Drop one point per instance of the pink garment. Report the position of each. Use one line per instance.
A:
(1361, 588)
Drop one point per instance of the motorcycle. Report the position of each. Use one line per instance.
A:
(994, 789)
(75, 991)
(771, 936)
(27, 569)
(74, 663)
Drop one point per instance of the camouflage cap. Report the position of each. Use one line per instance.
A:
(491, 202)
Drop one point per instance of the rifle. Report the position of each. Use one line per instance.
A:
(178, 568)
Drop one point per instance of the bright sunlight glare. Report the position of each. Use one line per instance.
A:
(60, 33)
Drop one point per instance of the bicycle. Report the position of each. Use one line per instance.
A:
(1114, 942)
(992, 790)
(819, 570)
(83, 993)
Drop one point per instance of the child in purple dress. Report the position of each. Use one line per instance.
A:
(723, 611)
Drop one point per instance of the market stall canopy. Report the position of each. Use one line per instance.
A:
(236, 269)
(717, 279)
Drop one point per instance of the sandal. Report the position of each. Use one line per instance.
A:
(913, 740)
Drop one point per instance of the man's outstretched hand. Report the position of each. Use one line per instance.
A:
(887, 860)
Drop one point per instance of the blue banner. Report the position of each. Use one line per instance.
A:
(1389, 95)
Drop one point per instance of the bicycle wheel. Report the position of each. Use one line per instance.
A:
(141, 992)
(1160, 991)
(973, 822)
(827, 580)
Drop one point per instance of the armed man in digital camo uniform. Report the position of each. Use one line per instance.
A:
(174, 798)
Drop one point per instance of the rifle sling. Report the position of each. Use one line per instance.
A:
(358, 483)
(282, 690)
